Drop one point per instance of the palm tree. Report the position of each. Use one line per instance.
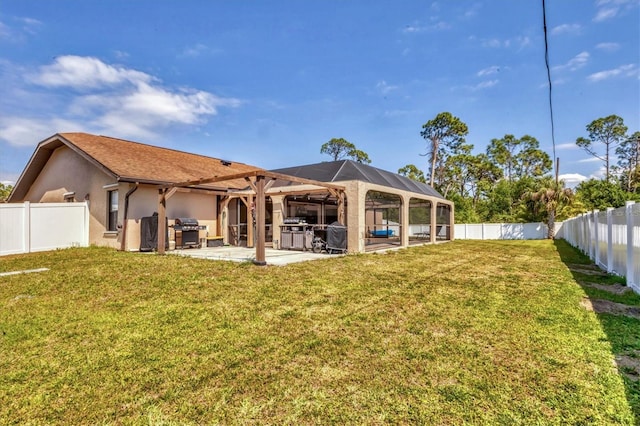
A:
(551, 196)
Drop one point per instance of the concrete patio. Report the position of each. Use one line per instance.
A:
(244, 254)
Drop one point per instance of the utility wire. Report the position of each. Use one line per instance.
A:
(546, 61)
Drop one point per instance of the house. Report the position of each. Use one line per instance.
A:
(125, 182)
(120, 180)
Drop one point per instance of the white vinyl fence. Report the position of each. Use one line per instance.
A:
(501, 231)
(29, 227)
(610, 238)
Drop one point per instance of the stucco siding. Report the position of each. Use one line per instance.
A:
(67, 172)
(144, 202)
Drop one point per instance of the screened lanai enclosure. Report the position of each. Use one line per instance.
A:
(380, 209)
(382, 218)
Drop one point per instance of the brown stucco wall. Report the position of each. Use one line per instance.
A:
(65, 172)
(144, 202)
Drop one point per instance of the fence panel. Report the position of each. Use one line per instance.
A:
(611, 239)
(32, 227)
(12, 229)
(601, 242)
(633, 249)
(618, 261)
(501, 231)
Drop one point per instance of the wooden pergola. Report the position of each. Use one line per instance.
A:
(259, 182)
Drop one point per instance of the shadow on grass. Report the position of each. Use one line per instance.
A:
(617, 308)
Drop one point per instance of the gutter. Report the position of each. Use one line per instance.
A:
(126, 214)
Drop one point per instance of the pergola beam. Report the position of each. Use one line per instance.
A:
(250, 174)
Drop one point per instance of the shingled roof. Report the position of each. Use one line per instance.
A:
(345, 170)
(129, 161)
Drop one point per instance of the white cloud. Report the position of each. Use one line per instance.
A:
(567, 29)
(609, 9)
(198, 50)
(439, 26)
(495, 43)
(486, 84)
(568, 145)
(609, 47)
(19, 131)
(480, 86)
(82, 72)
(17, 33)
(605, 13)
(419, 28)
(472, 11)
(113, 100)
(572, 180)
(575, 63)
(120, 54)
(385, 88)
(4, 31)
(408, 29)
(629, 70)
(488, 71)
(589, 160)
(30, 25)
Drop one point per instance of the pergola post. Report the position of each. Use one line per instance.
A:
(432, 229)
(341, 207)
(260, 205)
(250, 216)
(452, 224)
(405, 228)
(223, 204)
(162, 219)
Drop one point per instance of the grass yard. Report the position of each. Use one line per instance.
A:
(473, 332)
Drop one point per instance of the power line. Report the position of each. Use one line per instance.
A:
(546, 61)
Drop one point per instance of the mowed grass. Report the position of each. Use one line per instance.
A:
(465, 332)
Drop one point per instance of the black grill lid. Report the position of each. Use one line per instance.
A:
(186, 221)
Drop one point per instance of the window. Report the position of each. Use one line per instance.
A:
(69, 197)
(112, 210)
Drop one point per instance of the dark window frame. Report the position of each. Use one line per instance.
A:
(112, 213)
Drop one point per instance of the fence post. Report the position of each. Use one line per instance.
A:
(87, 218)
(632, 281)
(596, 251)
(609, 239)
(26, 234)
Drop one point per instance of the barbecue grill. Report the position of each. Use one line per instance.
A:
(295, 234)
(187, 232)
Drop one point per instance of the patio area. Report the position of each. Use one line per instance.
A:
(244, 254)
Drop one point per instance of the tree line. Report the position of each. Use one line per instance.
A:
(513, 181)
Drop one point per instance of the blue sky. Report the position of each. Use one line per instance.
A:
(268, 82)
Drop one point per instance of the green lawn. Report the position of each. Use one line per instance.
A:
(466, 332)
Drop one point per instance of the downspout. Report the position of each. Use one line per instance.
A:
(126, 215)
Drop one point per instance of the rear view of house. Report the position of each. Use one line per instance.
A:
(202, 198)
(120, 180)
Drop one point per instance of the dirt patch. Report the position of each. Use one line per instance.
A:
(629, 365)
(589, 266)
(611, 288)
(607, 307)
(588, 270)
